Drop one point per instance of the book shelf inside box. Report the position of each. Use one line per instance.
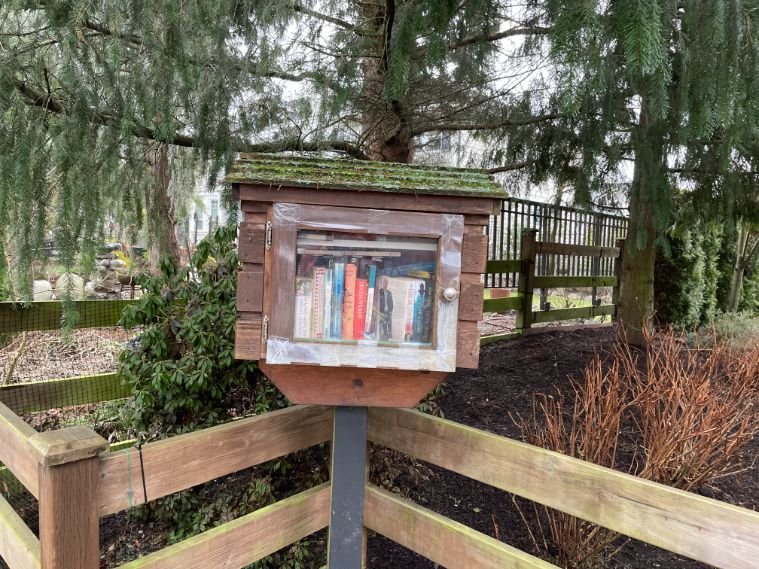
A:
(365, 293)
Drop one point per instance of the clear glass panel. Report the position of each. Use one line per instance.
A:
(357, 287)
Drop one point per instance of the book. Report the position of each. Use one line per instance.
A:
(359, 319)
(338, 293)
(303, 307)
(396, 298)
(349, 301)
(418, 326)
(327, 308)
(317, 319)
(371, 278)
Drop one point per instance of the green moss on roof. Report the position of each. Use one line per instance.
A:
(358, 175)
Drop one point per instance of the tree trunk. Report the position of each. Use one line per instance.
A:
(636, 303)
(161, 221)
(736, 281)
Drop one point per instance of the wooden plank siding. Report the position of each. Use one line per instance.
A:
(19, 547)
(14, 451)
(440, 539)
(39, 316)
(54, 393)
(208, 454)
(703, 529)
(540, 317)
(247, 539)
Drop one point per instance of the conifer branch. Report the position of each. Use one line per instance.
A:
(510, 122)
(96, 117)
(511, 167)
(489, 38)
(340, 23)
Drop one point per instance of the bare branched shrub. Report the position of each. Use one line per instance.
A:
(695, 407)
(592, 434)
(692, 411)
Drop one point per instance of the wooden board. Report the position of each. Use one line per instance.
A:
(440, 539)
(14, 450)
(55, 393)
(572, 313)
(19, 547)
(248, 342)
(545, 248)
(252, 241)
(248, 539)
(485, 340)
(703, 529)
(474, 250)
(573, 282)
(471, 297)
(352, 386)
(47, 315)
(250, 289)
(250, 194)
(468, 345)
(208, 454)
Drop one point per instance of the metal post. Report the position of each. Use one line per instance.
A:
(346, 528)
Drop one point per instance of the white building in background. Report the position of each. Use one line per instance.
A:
(206, 214)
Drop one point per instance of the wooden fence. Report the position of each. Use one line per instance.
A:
(533, 252)
(78, 481)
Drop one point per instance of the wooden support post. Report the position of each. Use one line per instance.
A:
(68, 497)
(526, 277)
(347, 543)
(620, 244)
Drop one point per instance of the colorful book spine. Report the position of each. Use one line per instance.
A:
(409, 312)
(338, 294)
(349, 303)
(359, 319)
(418, 331)
(317, 320)
(371, 283)
(303, 307)
(327, 311)
(427, 317)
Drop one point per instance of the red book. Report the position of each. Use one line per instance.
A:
(349, 302)
(359, 320)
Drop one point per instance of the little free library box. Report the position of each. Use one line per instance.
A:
(361, 281)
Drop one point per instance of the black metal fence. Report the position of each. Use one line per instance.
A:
(555, 224)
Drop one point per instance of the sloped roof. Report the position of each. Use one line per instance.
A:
(362, 175)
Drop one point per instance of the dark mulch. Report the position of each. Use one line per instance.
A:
(489, 398)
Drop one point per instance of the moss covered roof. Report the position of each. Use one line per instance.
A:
(358, 175)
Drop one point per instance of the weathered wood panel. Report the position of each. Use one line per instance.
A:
(572, 313)
(485, 340)
(564, 282)
(545, 248)
(208, 454)
(19, 547)
(47, 315)
(474, 250)
(440, 539)
(376, 200)
(247, 539)
(703, 529)
(468, 345)
(248, 339)
(14, 449)
(250, 289)
(54, 393)
(252, 241)
(471, 297)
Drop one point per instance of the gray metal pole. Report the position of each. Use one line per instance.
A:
(346, 528)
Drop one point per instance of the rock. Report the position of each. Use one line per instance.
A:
(105, 262)
(69, 283)
(42, 290)
(89, 290)
(117, 264)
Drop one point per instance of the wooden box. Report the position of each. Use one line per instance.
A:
(361, 281)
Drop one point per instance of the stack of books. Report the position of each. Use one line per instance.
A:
(349, 298)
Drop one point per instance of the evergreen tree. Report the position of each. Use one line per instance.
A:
(668, 87)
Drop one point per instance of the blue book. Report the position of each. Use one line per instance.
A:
(338, 294)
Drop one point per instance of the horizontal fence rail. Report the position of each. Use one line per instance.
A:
(207, 454)
(19, 547)
(41, 316)
(247, 539)
(14, 449)
(703, 529)
(440, 539)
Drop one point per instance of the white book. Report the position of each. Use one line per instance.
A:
(303, 307)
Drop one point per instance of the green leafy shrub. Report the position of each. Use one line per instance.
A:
(182, 370)
(737, 329)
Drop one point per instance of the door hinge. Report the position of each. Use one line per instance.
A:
(268, 235)
(265, 329)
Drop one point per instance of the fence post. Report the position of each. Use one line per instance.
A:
(620, 244)
(68, 497)
(526, 277)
